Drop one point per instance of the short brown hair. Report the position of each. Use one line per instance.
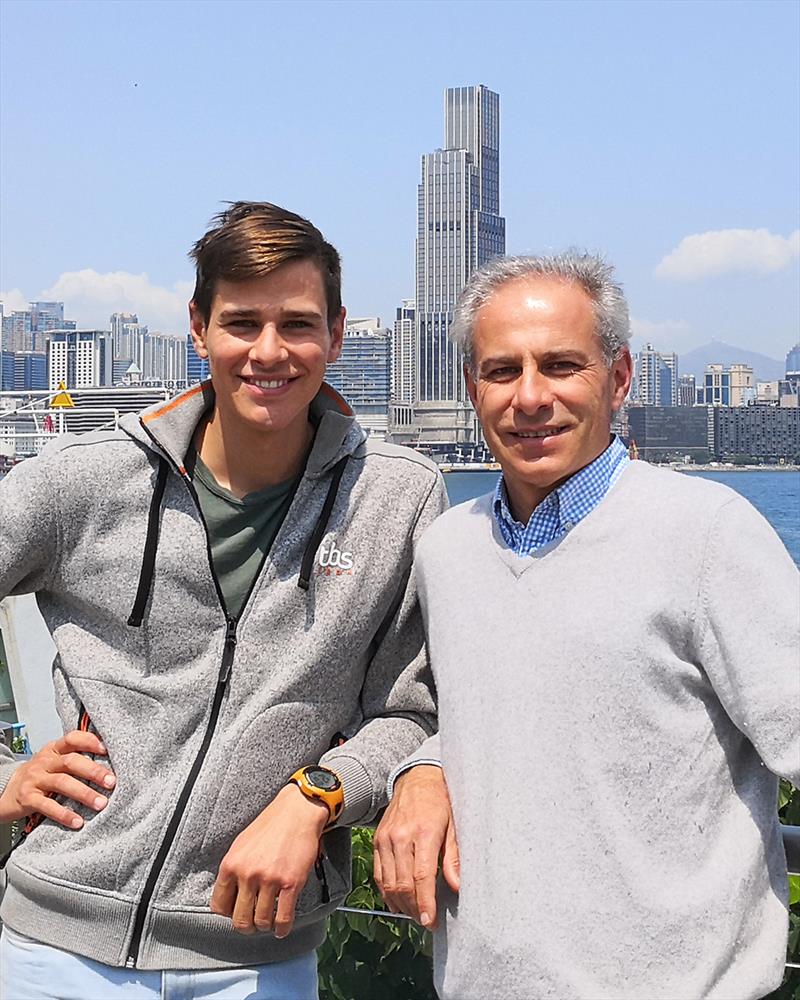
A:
(250, 239)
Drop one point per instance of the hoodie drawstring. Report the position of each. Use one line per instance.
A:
(154, 521)
(150, 547)
(322, 523)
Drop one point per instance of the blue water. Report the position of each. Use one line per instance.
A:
(775, 494)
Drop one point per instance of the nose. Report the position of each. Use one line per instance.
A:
(268, 348)
(533, 391)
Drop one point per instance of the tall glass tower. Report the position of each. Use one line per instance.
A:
(459, 227)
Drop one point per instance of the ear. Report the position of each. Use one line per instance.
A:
(472, 388)
(336, 328)
(197, 325)
(621, 374)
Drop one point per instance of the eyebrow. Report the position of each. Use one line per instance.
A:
(244, 313)
(549, 356)
(238, 314)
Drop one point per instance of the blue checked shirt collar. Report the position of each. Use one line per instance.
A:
(565, 507)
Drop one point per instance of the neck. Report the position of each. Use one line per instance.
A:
(244, 462)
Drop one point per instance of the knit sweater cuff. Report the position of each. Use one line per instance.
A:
(359, 804)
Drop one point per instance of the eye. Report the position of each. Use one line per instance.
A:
(297, 324)
(563, 367)
(500, 373)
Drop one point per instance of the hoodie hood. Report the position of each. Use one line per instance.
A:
(168, 428)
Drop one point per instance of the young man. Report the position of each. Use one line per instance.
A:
(615, 649)
(240, 654)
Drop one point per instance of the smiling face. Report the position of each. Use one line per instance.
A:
(542, 389)
(268, 342)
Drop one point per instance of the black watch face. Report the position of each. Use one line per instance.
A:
(323, 779)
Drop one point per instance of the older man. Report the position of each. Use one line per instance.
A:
(615, 651)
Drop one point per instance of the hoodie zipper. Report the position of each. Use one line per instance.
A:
(223, 677)
(226, 665)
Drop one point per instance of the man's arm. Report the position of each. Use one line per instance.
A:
(417, 831)
(270, 860)
(748, 632)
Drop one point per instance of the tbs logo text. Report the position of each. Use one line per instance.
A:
(334, 561)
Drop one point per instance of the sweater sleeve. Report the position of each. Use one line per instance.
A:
(397, 698)
(749, 633)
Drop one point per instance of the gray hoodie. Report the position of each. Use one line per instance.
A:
(205, 717)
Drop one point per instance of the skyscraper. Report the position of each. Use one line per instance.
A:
(403, 354)
(459, 227)
(363, 372)
(656, 377)
(81, 359)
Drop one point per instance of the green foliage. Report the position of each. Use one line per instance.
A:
(375, 957)
(789, 813)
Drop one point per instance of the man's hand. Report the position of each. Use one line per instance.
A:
(59, 768)
(268, 864)
(416, 829)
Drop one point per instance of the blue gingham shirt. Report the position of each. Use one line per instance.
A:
(562, 509)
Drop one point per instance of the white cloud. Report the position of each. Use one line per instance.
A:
(13, 301)
(664, 335)
(663, 328)
(728, 251)
(90, 297)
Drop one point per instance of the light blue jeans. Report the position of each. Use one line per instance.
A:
(33, 971)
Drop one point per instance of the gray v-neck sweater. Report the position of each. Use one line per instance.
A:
(613, 710)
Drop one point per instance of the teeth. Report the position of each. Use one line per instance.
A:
(547, 432)
(269, 384)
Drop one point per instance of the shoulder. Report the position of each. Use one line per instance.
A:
(397, 467)
(78, 465)
(455, 527)
(668, 489)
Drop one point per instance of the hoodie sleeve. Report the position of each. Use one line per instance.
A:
(29, 543)
(29, 535)
(398, 699)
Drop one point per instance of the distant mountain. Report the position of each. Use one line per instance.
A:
(716, 353)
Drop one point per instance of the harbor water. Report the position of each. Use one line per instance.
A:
(774, 493)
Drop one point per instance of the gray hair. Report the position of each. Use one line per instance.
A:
(588, 270)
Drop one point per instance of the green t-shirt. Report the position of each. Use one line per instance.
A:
(240, 532)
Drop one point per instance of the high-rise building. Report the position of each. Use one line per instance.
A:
(363, 372)
(459, 227)
(793, 360)
(163, 358)
(126, 334)
(717, 388)
(81, 359)
(665, 433)
(687, 390)
(403, 353)
(742, 388)
(763, 433)
(6, 370)
(656, 377)
(30, 370)
(29, 329)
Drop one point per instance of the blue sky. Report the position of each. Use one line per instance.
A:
(665, 134)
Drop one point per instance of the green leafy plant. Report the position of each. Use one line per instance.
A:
(789, 813)
(377, 957)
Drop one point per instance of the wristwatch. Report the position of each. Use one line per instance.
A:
(322, 784)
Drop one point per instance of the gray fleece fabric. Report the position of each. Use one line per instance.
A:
(613, 712)
(346, 656)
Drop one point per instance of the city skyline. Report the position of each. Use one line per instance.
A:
(663, 134)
